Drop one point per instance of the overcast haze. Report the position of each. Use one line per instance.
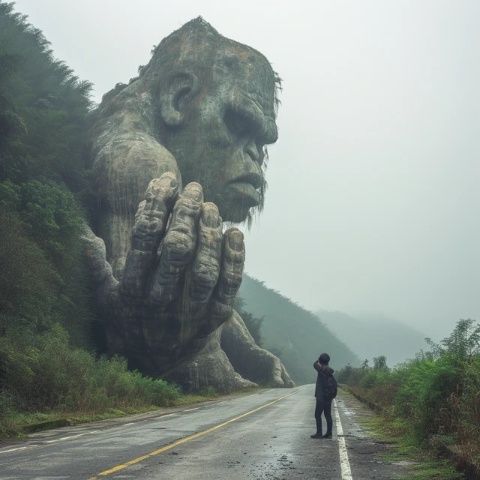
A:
(373, 194)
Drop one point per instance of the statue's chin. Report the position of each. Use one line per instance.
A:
(237, 203)
(234, 213)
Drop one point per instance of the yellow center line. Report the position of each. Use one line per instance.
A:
(194, 436)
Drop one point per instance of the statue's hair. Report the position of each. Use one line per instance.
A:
(195, 39)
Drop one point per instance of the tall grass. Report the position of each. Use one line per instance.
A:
(53, 376)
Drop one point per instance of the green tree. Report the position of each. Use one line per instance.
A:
(380, 363)
(43, 107)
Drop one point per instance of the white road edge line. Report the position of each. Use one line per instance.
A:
(48, 442)
(13, 449)
(62, 439)
(191, 409)
(345, 469)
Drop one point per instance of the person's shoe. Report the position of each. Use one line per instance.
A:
(317, 435)
(327, 435)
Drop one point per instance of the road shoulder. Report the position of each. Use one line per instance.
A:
(389, 451)
(367, 452)
(77, 423)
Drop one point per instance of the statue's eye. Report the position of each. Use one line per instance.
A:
(237, 123)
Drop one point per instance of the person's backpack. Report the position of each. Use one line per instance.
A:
(330, 391)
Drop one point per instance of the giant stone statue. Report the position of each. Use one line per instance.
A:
(176, 153)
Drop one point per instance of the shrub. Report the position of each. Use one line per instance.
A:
(467, 405)
(424, 395)
(436, 393)
(53, 375)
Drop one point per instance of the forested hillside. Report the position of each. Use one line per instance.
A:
(42, 123)
(296, 335)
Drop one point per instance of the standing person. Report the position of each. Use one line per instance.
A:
(325, 392)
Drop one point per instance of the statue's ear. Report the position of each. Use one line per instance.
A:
(174, 96)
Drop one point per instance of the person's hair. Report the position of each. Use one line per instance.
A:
(324, 358)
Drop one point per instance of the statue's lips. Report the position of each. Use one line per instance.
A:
(246, 191)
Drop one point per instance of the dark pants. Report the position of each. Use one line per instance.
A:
(325, 407)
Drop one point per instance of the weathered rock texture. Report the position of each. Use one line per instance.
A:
(199, 114)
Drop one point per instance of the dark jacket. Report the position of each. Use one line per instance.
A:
(324, 371)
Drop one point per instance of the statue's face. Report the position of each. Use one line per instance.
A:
(221, 143)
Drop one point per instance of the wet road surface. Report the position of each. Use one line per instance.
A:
(264, 435)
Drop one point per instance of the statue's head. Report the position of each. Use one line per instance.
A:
(215, 102)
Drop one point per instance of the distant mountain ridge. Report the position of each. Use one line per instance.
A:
(293, 333)
(372, 336)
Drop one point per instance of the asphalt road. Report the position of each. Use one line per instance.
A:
(264, 435)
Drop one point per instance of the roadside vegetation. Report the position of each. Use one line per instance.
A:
(53, 380)
(432, 402)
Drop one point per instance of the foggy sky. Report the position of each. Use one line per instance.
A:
(373, 194)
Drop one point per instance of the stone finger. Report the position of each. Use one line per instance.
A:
(178, 247)
(206, 265)
(230, 277)
(150, 223)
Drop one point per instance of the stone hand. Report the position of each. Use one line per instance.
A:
(181, 274)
